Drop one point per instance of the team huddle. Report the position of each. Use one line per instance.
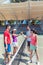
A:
(32, 43)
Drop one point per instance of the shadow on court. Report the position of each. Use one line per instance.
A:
(19, 59)
(1, 61)
(22, 60)
(24, 54)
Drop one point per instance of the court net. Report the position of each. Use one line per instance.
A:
(16, 58)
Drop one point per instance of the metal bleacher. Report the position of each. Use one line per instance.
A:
(37, 28)
(22, 28)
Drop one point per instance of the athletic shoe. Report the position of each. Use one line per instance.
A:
(29, 61)
(38, 63)
(5, 62)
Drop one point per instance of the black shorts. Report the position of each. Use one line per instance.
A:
(28, 43)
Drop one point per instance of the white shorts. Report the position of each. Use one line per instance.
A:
(15, 44)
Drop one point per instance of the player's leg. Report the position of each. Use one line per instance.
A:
(9, 57)
(31, 52)
(5, 54)
(31, 55)
(9, 52)
(15, 47)
(30, 61)
(37, 55)
(14, 50)
(28, 44)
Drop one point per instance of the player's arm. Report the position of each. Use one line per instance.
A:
(27, 36)
(36, 41)
(6, 41)
(15, 35)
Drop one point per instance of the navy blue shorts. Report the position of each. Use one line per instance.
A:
(8, 49)
(28, 43)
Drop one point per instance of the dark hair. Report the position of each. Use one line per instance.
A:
(34, 31)
(12, 32)
(7, 26)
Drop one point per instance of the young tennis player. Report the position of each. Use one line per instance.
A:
(15, 41)
(33, 46)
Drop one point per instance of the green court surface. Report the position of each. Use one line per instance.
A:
(40, 47)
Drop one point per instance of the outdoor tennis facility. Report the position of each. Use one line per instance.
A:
(21, 27)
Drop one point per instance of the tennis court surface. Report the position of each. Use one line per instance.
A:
(21, 57)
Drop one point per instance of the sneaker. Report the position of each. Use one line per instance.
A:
(29, 61)
(38, 63)
(5, 62)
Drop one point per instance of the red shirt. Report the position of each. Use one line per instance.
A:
(7, 34)
(34, 40)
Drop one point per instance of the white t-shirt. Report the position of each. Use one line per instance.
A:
(28, 33)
